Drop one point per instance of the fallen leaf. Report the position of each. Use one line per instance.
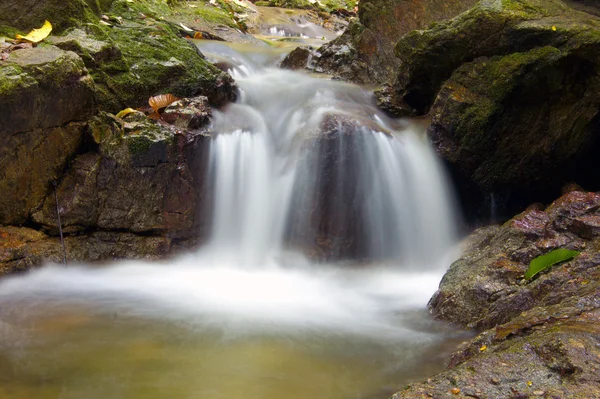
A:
(198, 35)
(37, 35)
(483, 348)
(125, 112)
(161, 101)
(455, 391)
(554, 28)
(529, 383)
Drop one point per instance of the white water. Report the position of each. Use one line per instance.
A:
(270, 167)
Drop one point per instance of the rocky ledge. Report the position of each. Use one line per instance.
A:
(538, 338)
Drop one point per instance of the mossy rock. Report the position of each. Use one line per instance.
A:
(370, 41)
(29, 14)
(429, 57)
(514, 92)
(133, 61)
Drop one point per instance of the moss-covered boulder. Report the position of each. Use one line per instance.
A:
(42, 88)
(491, 28)
(365, 52)
(513, 89)
(133, 50)
(137, 59)
(25, 15)
(520, 120)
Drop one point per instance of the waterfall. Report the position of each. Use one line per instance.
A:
(308, 163)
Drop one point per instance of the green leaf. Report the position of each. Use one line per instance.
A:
(543, 262)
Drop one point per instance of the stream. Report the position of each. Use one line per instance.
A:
(251, 314)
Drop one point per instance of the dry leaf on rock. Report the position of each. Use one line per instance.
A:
(161, 101)
(37, 35)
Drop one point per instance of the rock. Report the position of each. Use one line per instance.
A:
(519, 120)
(515, 115)
(334, 156)
(297, 59)
(29, 14)
(557, 356)
(43, 88)
(188, 113)
(134, 61)
(27, 173)
(539, 337)
(481, 289)
(365, 52)
(139, 180)
(22, 248)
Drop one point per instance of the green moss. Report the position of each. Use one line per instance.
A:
(62, 13)
(138, 144)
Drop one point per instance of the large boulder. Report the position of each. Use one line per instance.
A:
(365, 51)
(43, 93)
(513, 90)
(485, 287)
(29, 14)
(541, 337)
(144, 178)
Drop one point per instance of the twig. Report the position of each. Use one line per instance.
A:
(62, 241)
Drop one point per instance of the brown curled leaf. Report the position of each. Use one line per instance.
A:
(161, 101)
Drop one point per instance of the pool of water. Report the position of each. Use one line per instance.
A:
(136, 330)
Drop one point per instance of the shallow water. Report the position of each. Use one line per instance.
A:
(182, 331)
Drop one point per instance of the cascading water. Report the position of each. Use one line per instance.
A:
(299, 165)
(301, 159)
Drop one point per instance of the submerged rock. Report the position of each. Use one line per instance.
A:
(540, 337)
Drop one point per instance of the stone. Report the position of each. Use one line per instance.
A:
(43, 88)
(365, 51)
(513, 95)
(297, 59)
(542, 337)
(22, 248)
(29, 163)
(140, 180)
(188, 113)
(482, 290)
(26, 15)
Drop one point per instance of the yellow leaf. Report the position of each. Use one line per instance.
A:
(483, 348)
(455, 391)
(125, 112)
(554, 28)
(529, 383)
(37, 35)
(198, 35)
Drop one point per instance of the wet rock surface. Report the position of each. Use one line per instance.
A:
(539, 337)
